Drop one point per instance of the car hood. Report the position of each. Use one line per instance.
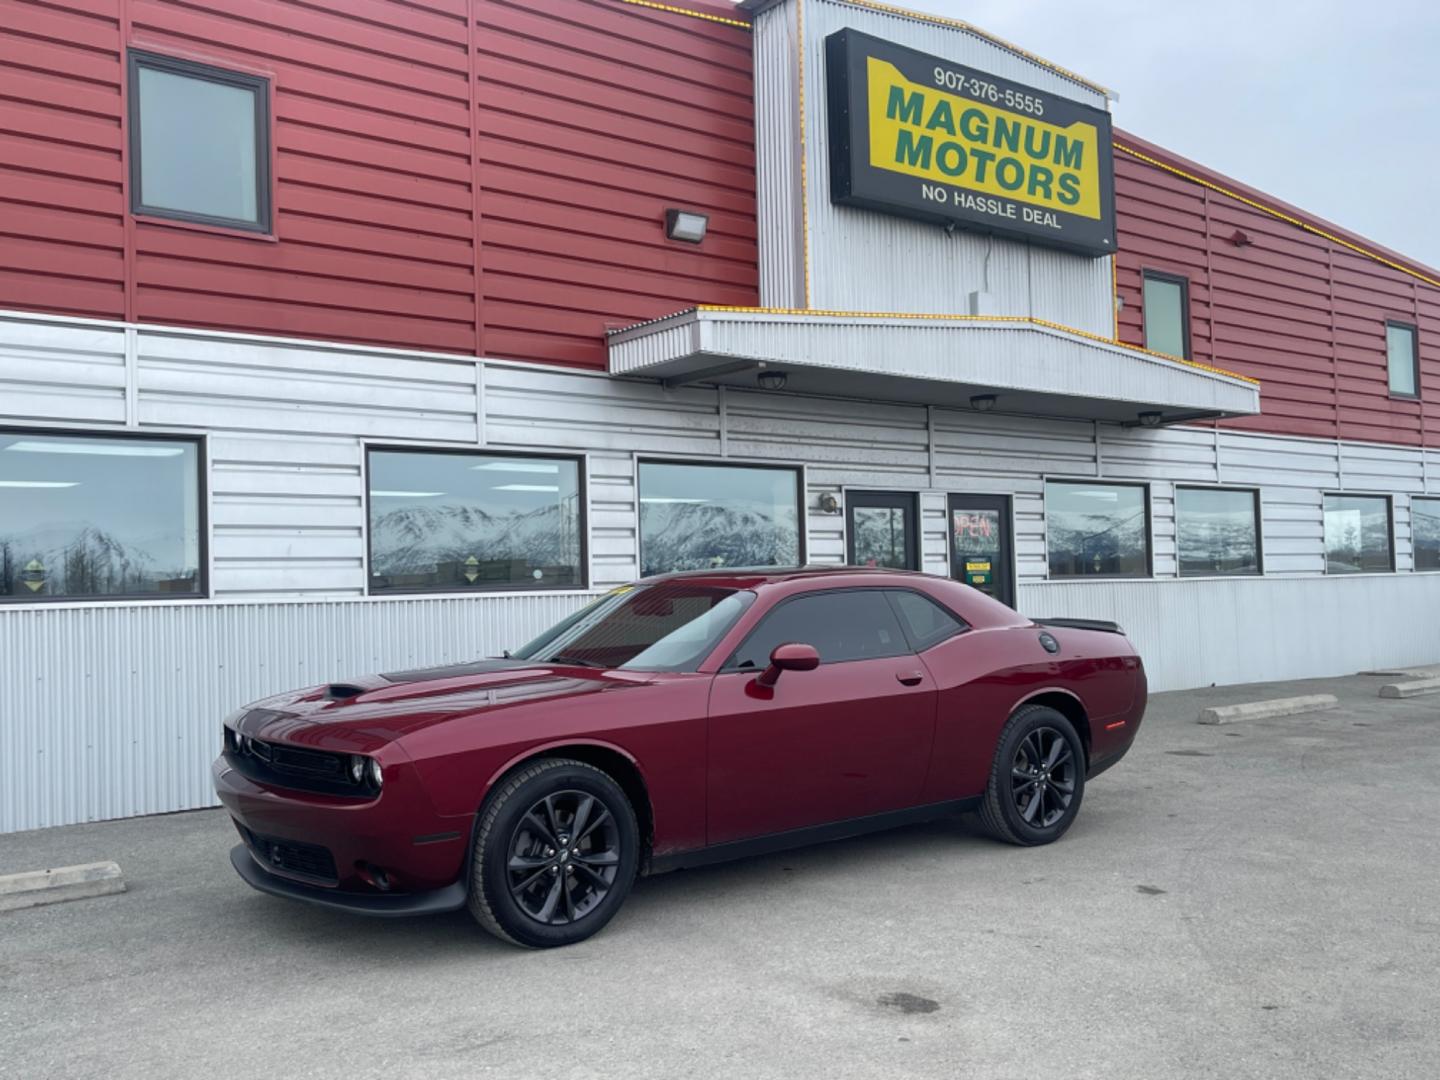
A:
(391, 705)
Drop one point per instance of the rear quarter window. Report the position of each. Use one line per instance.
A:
(925, 622)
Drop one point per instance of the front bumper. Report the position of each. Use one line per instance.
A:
(349, 846)
(391, 905)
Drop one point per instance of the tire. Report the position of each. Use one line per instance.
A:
(552, 894)
(1006, 811)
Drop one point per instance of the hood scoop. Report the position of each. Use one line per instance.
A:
(343, 691)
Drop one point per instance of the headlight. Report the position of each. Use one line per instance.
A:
(357, 769)
(376, 776)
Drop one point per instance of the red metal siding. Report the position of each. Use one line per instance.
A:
(490, 176)
(62, 209)
(590, 117)
(1302, 313)
(596, 116)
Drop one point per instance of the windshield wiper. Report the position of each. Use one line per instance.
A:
(574, 661)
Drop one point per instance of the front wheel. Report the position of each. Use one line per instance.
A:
(556, 852)
(1037, 779)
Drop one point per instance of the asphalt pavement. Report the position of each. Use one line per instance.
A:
(1258, 900)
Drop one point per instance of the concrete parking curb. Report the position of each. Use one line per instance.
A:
(1263, 710)
(36, 887)
(1410, 689)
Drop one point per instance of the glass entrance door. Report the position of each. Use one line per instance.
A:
(881, 529)
(980, 544)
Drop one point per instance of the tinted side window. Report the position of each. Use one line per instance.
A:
(853, 625)
(925, 622)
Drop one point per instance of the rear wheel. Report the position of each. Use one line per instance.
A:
(1037, 779)
(556, 852)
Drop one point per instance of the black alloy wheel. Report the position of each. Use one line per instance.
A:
(1042, 777)
(1037, 778)
(557, 847)
(564, 855)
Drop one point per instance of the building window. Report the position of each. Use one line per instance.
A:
(1403, 356)
(461, 522)
(1357, 534)
(1166, 308)
(199, 143)
(1425, 533)
(86, 516)
(1217, 530)
(1097, 530)
(696, 517)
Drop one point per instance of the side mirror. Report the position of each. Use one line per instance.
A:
(791, 656)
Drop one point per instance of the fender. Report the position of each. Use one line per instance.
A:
(555, 744)
(1086, 735)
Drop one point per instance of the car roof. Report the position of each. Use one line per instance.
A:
(754, 577)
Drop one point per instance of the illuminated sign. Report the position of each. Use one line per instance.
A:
(922, 137)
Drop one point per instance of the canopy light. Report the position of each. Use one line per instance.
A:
(28, 446)
(39, 483)
(406, 494)
(518, 466)
(1150, 419)
(686, 225)
(527, 487)
(772, 380)
(983, 402)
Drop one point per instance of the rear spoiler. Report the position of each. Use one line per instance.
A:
(1082, 624)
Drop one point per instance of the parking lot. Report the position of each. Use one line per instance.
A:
(1253, 900)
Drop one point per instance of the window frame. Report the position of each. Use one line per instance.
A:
(260, 85)
(1144, 485)
(1259, 533)
(1435, 499)
(876, 499)
(798, 470)
(582, 464)
(1414, 359)
(201, 443)
(1389, 527)
(728, 665)
(1172, 279)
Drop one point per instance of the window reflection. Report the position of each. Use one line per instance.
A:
(1096, 530)
(1425, 529)
(1216, 531)
(84, 516)
(473, 521)
(696, 517)
(1357, 534)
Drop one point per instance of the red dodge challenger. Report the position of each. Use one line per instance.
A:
(683, 720)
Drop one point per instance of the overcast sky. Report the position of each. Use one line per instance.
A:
(1332, 105)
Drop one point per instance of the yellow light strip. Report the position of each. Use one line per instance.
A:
(1020, 320)
(673, 10)
(1290, 219)
(940, 20)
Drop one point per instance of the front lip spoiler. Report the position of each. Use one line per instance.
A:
(384, 905)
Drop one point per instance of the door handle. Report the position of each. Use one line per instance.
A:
(910, 678)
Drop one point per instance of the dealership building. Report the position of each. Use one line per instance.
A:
(348, 337)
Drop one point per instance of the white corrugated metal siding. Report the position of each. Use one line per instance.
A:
(114, 709)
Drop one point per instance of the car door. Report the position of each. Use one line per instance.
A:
(848, 739)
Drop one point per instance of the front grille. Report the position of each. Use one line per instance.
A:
(303, 769)
(292, 857)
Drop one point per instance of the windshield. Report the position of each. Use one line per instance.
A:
(667, 627)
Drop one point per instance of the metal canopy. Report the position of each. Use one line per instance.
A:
(1031, 367)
